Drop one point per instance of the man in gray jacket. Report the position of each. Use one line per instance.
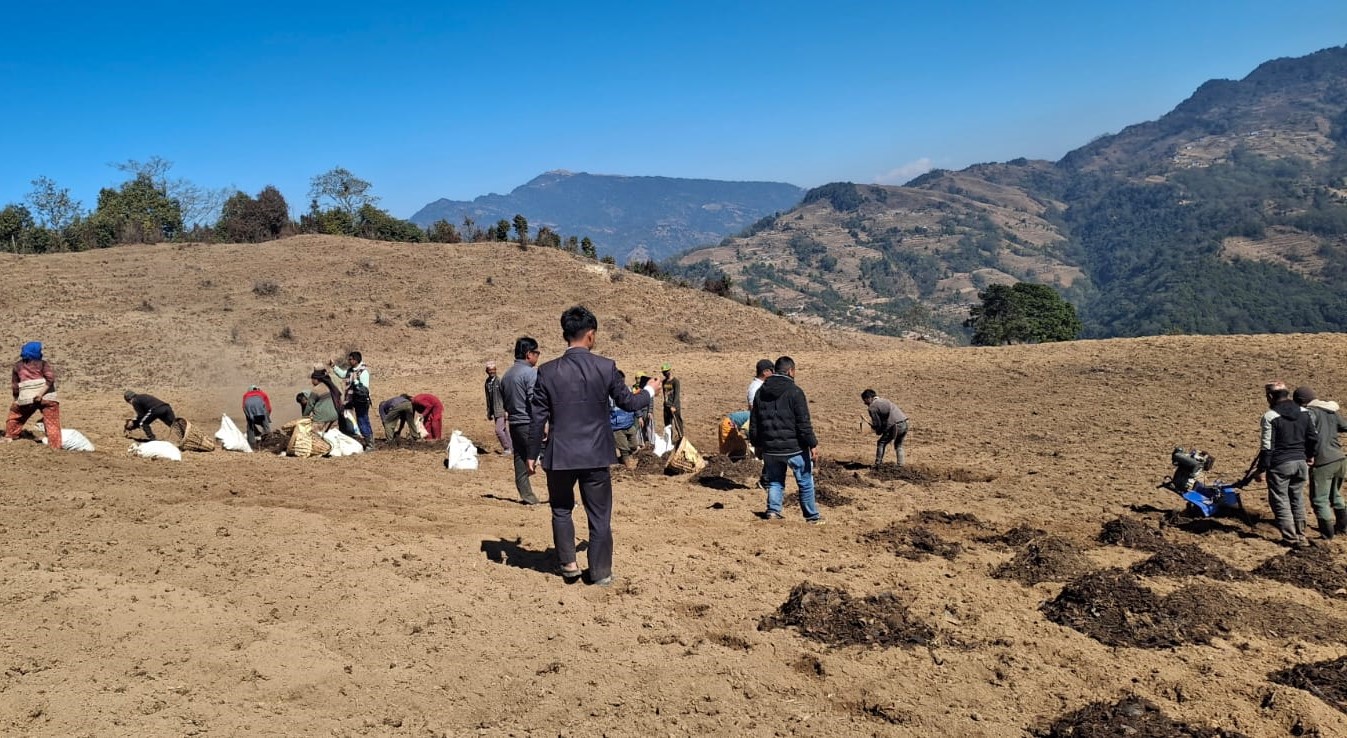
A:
(516, 389)
(889, 423)
(495, 408)
(1329, 462)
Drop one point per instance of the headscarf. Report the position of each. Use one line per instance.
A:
(31, 351)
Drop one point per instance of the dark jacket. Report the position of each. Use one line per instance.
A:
(495, 403)
(1328, 424)
(780, 424)
(1293, 436)
(572, 396)
(145, 404)
(516, 389)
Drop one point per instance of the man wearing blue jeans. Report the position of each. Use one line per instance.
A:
(783, 436)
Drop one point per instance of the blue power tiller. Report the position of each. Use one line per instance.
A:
(1190, 468)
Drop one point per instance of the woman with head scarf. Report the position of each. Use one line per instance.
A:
(33, 384)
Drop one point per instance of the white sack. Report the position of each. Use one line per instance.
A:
(156, 450)
(460, 453)
(664, 442)
(342, 444)
(230, 437)
(73, 440)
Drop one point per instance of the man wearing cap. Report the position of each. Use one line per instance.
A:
(1327, 472)
(760, 374)
(516, 389)
(889, 423)
(257, 413)
(33, 384)
(495, 408)
(148, 409)
(673, 403)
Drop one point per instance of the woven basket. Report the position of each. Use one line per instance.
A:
(196, 440)
(178, 431)
(301, 439)
(291, 425)
(320, 446)
(685, 459)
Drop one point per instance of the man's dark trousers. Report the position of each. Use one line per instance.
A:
(596, 493)
(519, 439)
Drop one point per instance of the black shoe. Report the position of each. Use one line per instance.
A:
(1326, 530)
(570, 575)
(605, 582)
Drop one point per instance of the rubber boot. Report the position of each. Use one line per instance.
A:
(1341, 526)
(902, 456)
(1326, 530)
(879, 454)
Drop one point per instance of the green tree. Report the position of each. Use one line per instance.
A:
(15, 224)
(198, 204)
(521, 229)
(380, 225)
(442, 231)
(548, 238)
(1023, 313)
(587, 248)
(572, 245)
(347, 191)
(502, 230)
(137, 212)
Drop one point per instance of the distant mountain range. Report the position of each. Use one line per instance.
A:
(1226, 215)
(628, 217)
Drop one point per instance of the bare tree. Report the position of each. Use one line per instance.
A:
(349, 192)
(200, 205)
(54, 206)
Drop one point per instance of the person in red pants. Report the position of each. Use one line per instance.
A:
(33, 384)
(431, 411)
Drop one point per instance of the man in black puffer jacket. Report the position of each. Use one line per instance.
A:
(783, 436)
(1286, 456)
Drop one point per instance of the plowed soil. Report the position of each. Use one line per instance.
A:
(1131, 716)
(1326, 680)
(1044, 559)
(380, 595)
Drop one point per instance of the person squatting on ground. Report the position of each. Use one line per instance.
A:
(517, 388)
(734, 436)
(397, 414)
(623, 423)
(1287, 449)
(673, 403)
(148, 409)
(570, 405)
(33, 385)
(783, 435)
(1329, 462)
(431, 410)
(357, 396)
(495, 408)
(889, 423)
(257, 414)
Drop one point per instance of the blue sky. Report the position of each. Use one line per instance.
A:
(453, 99)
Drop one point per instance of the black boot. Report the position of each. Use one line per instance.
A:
(1341, 526)
(1326, 530)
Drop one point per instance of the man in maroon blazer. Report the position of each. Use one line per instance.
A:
(570, 402)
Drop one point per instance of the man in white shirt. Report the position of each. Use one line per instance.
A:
(761, 373)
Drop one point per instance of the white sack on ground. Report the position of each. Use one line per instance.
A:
(230, 437)
(73, 440)
(156, 450)
(342, 444)
(461, 453)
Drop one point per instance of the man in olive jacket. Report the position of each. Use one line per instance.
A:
(1327, 473)
(783, 436)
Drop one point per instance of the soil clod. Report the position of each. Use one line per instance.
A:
(1044, 559)
(1326, 680)
(1310, 568)
(832, 616)
(1136, 717)
(913, 542)
(1112, 607)
(1132, 533)
(1015, 537)
(927, 475)
(1188, 560)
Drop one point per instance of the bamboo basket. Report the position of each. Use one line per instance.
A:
(177, 433)
(301, 439)
(320, 446)
(197, 440)
(685, 459)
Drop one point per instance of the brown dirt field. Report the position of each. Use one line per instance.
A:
(380, 595)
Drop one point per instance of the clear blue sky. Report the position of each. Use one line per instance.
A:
(457, 99)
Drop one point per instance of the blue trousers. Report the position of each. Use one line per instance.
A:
(774, 468)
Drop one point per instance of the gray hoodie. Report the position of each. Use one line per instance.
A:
(1329, 424)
